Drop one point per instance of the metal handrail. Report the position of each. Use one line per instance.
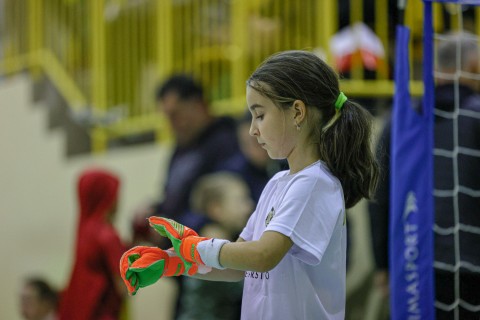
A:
(111, 54)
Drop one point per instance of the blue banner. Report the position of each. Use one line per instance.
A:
(411, 194)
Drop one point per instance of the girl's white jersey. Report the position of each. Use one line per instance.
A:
(309, 282)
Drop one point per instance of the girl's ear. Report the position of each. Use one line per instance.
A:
(299, 111)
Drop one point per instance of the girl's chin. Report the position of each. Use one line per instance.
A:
(275, 156)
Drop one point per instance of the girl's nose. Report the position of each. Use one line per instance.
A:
(253, 131)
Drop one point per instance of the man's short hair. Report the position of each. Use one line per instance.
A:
(183, 85)
(448, 48)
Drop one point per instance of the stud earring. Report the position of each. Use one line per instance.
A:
(298, 126)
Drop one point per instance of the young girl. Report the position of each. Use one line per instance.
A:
(292, 252)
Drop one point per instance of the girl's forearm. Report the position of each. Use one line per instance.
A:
(261, 255)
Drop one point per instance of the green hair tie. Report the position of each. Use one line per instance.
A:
(340, 100)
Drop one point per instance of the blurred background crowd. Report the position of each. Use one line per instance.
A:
(115, 110)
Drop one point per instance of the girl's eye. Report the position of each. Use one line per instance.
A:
(260, 117)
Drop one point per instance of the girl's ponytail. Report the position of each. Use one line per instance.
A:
(346, 147)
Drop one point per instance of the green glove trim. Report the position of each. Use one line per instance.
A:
(162, 230)
(177, 272)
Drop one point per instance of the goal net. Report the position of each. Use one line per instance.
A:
(457, 163)
(435, 236)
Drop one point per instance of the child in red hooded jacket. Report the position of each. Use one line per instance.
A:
(95, 290)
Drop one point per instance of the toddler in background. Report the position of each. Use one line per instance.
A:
(38, 300)
(225, 200)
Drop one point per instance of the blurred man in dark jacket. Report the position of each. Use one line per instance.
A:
(202, 144)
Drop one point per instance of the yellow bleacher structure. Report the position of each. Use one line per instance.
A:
(106, 55)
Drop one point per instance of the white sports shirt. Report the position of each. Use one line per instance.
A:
(309, 282)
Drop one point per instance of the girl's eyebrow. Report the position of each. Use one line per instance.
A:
(254, 106)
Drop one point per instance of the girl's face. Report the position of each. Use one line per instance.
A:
(273, 127)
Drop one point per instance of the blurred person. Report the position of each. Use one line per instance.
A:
(203, 143)
(446, 95)
(253, 162)
(38, 300)
(224, 198)
(95, 289)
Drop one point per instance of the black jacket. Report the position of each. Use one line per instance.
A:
(206, 154)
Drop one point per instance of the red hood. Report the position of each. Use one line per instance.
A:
(97, 192)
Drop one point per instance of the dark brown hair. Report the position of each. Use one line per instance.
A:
(44, 290)
(343, 136)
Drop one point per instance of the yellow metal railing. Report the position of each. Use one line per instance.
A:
(111, 54)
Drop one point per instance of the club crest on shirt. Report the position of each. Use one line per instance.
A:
(269, 216)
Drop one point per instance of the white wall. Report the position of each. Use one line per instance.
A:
(38, 203)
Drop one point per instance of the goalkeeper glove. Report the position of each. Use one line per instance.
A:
(187, 244)
(143, 266)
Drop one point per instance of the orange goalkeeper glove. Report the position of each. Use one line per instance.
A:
(187, 244)
(143, 266)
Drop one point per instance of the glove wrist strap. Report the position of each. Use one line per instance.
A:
(209, 251)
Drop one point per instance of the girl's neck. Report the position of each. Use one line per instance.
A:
(300, 159)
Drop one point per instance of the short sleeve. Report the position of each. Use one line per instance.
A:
(308, 213)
